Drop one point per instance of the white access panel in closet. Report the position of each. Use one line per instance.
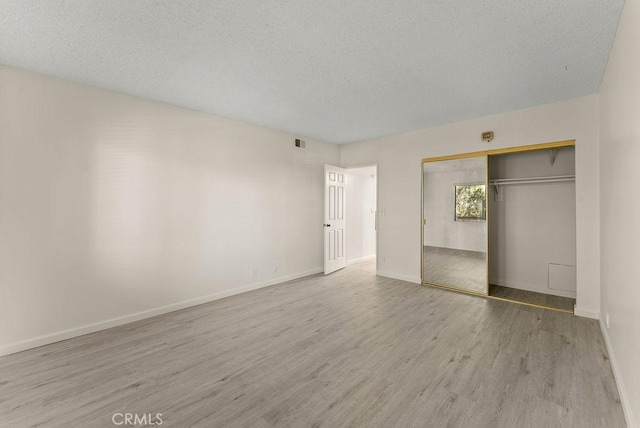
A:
(562, 277)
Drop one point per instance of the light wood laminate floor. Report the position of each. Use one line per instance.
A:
(350, 349)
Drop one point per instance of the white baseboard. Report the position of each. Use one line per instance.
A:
(622, 392)
(361, 259)
(586, 313)
(46, 339)
(407, 278)
(531, 287)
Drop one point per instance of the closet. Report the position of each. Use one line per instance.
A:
(502, 224)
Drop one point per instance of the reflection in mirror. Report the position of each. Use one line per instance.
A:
(455, 224)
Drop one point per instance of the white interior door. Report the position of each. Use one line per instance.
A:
(335, 186)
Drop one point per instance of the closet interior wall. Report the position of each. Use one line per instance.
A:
(532, 226)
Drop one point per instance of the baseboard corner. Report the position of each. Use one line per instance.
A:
(586, 313)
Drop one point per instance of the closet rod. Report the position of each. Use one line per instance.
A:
(532, 180)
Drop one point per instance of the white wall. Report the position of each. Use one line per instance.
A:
(620, 166)
(114, 208)
(441, 229)
(361, 217)
(399, 175)
(533, 225)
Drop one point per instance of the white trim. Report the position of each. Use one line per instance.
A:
(413, 279)
(532, 287)
(595, 315)
(46, 339)
(361, 259)
(622, 392)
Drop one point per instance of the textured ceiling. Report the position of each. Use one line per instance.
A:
(336, 70)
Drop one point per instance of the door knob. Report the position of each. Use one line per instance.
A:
(326, 225)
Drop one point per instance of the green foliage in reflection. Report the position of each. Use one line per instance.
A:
(470, 202)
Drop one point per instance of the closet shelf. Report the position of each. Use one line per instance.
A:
(531, 180)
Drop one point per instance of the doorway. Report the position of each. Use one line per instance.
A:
(532, 200)
(361, 204)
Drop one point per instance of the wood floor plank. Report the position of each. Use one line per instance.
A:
(349, 349)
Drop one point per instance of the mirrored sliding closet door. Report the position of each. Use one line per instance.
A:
(454, 252)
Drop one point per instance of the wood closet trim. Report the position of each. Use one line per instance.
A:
(541, 146)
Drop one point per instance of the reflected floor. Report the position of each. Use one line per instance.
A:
(541, 299)
(455, 268)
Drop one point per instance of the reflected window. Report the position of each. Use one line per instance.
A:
(470, 202)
